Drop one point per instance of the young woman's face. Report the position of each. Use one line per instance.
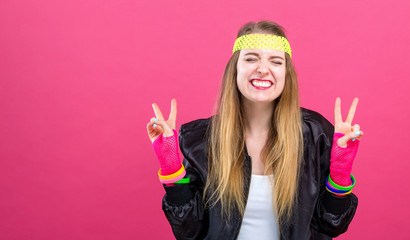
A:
(261, 74)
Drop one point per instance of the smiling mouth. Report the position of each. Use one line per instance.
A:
(259, 83)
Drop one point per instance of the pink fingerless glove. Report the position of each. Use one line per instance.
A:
(166, 149)
(341, 161)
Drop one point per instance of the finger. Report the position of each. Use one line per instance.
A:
(173, 113)
(360, 136)
(153, 122)
(149, 127)
(342, 142)
(152, 127)
(158, 112)
(356, 130)
(352, 110)
(167, 130)
(153, 132)
(338, 112)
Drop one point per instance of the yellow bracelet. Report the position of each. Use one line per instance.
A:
(340, 193)
(174, 175)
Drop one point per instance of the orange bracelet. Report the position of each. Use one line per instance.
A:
(171, 176)
(340, 194)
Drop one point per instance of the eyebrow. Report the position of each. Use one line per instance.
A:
(251, 53)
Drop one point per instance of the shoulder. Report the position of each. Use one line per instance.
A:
(314, 124)
(194, 131)
(198, 125)
(193, 145)
(193, 136)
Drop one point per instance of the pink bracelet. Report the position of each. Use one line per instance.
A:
(176, 179)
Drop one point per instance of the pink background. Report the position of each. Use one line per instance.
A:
(77, 79)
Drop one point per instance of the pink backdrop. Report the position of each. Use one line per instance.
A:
(77, 79)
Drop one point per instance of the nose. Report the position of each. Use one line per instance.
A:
(262, 68)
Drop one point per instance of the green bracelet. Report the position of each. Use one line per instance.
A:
(341, 187)
(184, 180)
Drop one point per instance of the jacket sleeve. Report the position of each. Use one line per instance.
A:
(332, 214)
(182, 203)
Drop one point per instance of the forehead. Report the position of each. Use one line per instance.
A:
(262, 53)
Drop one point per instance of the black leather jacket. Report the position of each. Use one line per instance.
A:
(319, 215)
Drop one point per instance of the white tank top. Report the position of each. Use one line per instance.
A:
(259, 222)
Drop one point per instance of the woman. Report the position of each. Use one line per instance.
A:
(262, 167)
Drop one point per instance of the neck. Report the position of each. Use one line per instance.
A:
(257, 118)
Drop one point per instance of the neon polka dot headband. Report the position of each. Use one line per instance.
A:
(262, 41)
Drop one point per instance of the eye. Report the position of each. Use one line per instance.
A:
(278, 63)
(250, 60)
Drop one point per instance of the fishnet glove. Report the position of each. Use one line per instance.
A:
(341, 161)
(166, 149)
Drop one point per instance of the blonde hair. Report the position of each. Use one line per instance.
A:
(281, 153)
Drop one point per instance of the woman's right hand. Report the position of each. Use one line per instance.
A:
(162, 126)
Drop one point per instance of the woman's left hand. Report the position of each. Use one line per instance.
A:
(345, 146)
(350, 132)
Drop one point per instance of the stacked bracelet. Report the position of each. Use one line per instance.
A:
(172, 178)
(184, 180)
(339, 190)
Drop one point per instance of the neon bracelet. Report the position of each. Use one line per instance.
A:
(334, 185)
(334, 190)
(184, 180)
(171, 176)
(343, 194)
(173, 180)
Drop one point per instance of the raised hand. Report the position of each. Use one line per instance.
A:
(350, 132)
(164, 140)
(344, 146)
(162, 126)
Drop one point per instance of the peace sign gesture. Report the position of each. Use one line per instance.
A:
(351, 132)
(162, 126)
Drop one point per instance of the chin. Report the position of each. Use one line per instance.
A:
(262, 100)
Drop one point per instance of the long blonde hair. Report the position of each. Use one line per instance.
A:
(281, 153)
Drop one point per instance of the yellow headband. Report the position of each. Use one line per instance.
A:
(262, 41)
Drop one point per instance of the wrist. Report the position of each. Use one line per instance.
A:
(338, 190)
(166, 149)
(341, 179)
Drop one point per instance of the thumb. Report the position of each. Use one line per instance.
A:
(342, 142)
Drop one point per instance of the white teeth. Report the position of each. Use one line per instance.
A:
(261, 84)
